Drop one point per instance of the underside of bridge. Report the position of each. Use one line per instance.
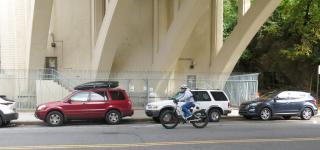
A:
(172, 36)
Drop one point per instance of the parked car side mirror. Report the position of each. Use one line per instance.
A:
(68, 101)
(276, 98)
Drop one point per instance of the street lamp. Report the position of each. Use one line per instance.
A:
(191, 61)
(318, 81)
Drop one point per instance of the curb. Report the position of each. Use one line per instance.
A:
(27, 122)
(125, 121)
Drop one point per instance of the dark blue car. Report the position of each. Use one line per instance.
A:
(285, 104)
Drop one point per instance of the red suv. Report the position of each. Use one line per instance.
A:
(110, 104)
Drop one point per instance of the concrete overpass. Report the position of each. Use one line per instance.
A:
(106, 36)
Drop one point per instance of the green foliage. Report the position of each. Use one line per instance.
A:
(230, 13)
(288, 44)
(304, 18)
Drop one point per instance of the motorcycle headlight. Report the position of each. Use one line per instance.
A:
(41, 107)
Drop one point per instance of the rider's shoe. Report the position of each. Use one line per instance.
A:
(189, 117)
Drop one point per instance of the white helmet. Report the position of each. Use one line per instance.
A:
(183, 86)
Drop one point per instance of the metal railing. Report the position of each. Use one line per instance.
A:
(52, 74)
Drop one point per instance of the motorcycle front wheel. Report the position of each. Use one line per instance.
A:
(201, 120)
(169, 119)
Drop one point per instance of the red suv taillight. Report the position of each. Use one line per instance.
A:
(229, 105)
(130, 102)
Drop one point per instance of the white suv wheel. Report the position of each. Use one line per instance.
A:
(214, 115)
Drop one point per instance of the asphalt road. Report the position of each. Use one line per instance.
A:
(229, 134)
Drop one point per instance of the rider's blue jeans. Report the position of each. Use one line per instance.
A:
(185, 109)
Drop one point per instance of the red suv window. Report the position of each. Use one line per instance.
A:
(97, 96)
(117, 95)
(80, 97)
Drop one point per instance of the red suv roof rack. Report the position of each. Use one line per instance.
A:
(97, 84)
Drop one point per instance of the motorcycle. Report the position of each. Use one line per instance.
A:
(171, 118)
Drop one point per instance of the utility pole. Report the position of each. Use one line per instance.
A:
(318, 81)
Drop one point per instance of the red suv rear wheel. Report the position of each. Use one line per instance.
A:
(113, 117)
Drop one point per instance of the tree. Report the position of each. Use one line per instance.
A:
(288, 44)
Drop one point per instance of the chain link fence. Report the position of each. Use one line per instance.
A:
(29, 88)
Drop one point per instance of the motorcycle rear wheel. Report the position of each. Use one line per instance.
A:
(203, 122)
(169, 119)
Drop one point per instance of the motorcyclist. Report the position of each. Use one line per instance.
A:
(185, 95)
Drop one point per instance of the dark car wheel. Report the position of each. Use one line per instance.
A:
(54, 118)
(265, 114)
(6, 123)
(306, 114)
(156, 119)
(286, 117)
(214, 115)
(113, 117)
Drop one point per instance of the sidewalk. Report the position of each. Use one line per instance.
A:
(27, 117)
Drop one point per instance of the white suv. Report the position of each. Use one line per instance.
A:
(216, 103)
(7, 110)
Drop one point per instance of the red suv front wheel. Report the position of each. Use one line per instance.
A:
(54, 118)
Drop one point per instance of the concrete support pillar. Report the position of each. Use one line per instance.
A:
(178, 34)
(93, 28)
(164, 18)
(97, 14)
(240, 37)
(176, 6)
(106, 45)
(243, 7)
(106, 4)
(216, 28)
(39, 32)
(155, 28)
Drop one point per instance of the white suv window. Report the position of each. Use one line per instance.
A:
(201, 96)
(219, 96)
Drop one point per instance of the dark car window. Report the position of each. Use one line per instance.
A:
(97, 96)
(117, 95)
(282, 96)
(80, 97)
(219, 96)
(269, 95)
(201, 96)
(296, 95)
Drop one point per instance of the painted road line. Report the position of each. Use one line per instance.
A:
(88, 146)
